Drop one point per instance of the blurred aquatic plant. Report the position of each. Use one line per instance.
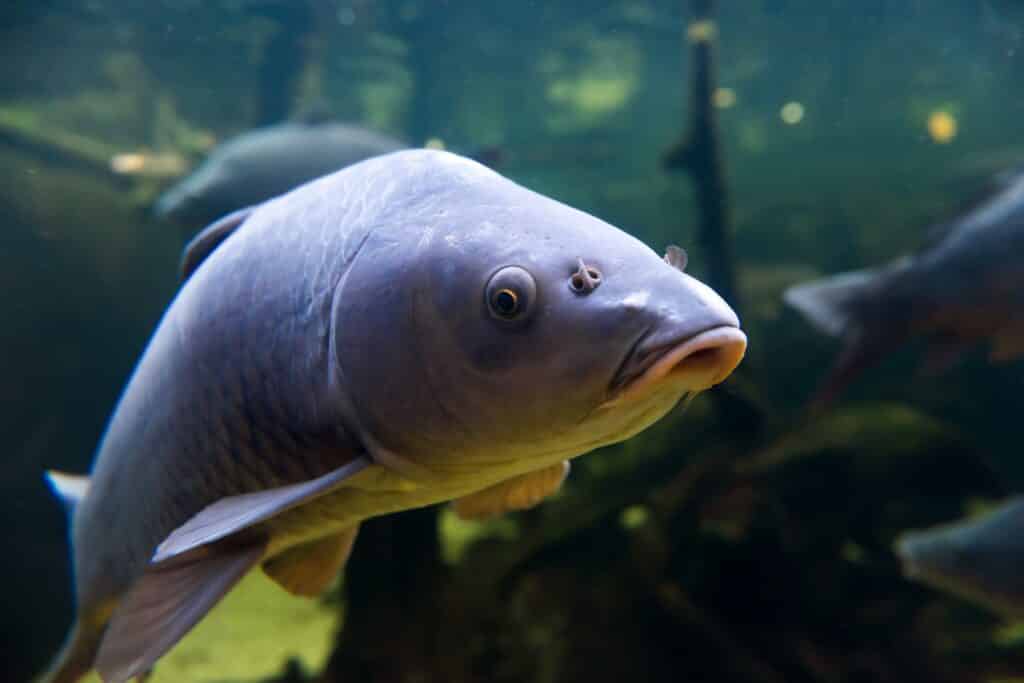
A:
(731, 543)
(590, 79)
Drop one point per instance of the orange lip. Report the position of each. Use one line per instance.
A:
(699, 362)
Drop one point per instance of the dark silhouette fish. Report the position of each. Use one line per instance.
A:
(410, 330)
(264, 163)
(966, 288)
(977, 559)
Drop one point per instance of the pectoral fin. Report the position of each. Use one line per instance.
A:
(231, 515)
(310, 569)
(517, 493)
(166, 602)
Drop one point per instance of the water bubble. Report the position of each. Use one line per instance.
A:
(701, 31)
(724, 98)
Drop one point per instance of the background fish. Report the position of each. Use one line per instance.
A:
(410, 330)
(266, 162)
(965, 288)
(978, 559)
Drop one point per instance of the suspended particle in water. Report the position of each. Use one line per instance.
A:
(701, 31)
(633, 517)
(346, 16)
(724, 98)
(942, 127)
(792, 113)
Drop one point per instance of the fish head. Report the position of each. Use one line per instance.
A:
(525, 330)
(976, 559)
(232, 176)
(194, 198)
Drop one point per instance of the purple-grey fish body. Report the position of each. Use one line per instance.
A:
(410, 330)
(965, 289)
(978, 559)
(266, 162)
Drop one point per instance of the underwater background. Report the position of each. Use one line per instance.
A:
(740, 541)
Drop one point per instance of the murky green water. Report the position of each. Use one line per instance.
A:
(740, 541)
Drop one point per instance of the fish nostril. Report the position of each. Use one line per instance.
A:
(585, 280)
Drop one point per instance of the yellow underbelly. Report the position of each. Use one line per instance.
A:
(375, 491)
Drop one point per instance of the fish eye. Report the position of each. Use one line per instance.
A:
(510, 293)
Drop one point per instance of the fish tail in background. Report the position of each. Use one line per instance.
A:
(841, 306)
(74, 659)
(831, 304)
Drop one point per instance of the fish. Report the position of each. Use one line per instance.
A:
(265, 162)
(977, 559)
(411, 330)
(964, 289)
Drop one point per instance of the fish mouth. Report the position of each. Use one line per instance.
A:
(692, 363)
(904, 548)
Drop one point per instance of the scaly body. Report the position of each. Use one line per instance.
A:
(411, 330)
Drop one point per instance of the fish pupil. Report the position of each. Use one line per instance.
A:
(506, 302)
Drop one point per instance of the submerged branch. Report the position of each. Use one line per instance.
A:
(22, 129)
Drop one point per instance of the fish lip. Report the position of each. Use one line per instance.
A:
(659, 361)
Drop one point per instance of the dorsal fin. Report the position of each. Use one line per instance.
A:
(203, 244)
(70, 488)
(988, 190)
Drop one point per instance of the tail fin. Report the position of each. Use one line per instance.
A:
(828, 304)
(75, 658)
(839, 306)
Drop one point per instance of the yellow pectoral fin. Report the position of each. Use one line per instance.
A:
(310, 568)
(517, 493)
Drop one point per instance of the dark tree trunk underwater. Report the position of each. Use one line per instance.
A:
(394, 617)
(699, 155)
(391, 610)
